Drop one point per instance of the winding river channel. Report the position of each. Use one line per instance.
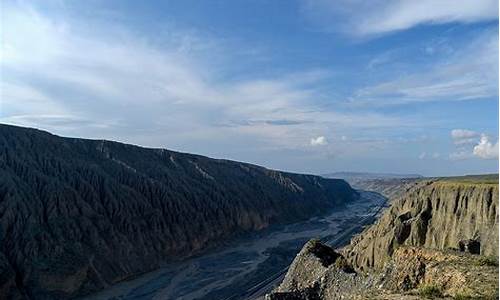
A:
(231, 272)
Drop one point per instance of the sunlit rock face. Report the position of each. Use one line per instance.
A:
(78, 215)
(441, 214)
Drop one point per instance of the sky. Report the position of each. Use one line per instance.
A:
(303, 86)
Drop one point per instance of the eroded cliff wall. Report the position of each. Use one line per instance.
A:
(436, 214)
(77, 215)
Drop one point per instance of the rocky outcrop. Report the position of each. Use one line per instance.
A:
(411, 273)
(313, 261)
(451, 273)
(78, 215)
(318, 272)
(438, 214)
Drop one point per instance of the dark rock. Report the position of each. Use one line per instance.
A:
(325, 254)
(471, 246)
(309, 293)
(8, 287)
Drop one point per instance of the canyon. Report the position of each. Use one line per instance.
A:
(97, 219)
(78, 215)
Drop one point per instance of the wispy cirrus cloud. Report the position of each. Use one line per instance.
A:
(461, 154)
(464, 136)
(59, 76)
(189, 89)
(468, 73)
(425, 155)
(361, 18)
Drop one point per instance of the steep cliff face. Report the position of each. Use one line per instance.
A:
(77, 215)
(437, 214)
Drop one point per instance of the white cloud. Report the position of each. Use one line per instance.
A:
(319, 141)
(464, 139)
(464, 136)
(383, 16)
(486, 149)
(463, 133)
(422, 155)
(400, 15)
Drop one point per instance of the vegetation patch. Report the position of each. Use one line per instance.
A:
(491, 261)
(486, 179)
(430, 291)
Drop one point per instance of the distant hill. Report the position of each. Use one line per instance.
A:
(77, 215)
(366, 176)
(389, 185)
(483, 178)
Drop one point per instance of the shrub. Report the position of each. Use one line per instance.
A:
(462, 297)
(430, 291)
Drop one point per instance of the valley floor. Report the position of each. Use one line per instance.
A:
(229, 271)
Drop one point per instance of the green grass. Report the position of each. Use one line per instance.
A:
(485, 179)
(487, 261)
(430, 291)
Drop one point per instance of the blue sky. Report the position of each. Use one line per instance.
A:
(305, 86)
